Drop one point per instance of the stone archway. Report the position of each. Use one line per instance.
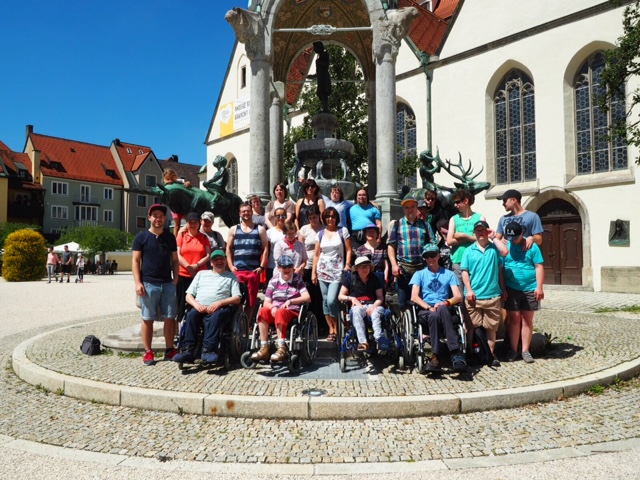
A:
(561, 243)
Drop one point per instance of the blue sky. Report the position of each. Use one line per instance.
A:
(145, 71)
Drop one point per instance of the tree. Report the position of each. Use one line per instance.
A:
(347, 102)
(98, 239)
(7, 228)
(622, 63)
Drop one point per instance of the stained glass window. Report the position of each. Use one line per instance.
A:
(595, 151)
(515, 129)
(406, 140)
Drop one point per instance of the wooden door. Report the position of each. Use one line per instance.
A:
(561, 243)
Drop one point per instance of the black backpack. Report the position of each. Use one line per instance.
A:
(480, 347)
(90, 345)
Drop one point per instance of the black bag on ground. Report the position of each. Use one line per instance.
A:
(480, 347)
(90, 345)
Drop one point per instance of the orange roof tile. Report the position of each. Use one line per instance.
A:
(297, 73)
(428, 30)
(446, 8)
(75, 160)
(129, 153)
(9, 158)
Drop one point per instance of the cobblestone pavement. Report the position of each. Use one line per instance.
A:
(33, 414)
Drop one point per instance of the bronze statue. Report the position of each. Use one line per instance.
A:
(215, 198)
(322, 76)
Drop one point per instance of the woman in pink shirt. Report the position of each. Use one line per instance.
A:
(52, 261)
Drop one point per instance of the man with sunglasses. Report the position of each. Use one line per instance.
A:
(431, 289)
(433, 211)
(529, 221)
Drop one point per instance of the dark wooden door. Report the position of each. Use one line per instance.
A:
(561, 243)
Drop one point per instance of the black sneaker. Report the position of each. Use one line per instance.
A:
(496, 362)
(459, 363)
(433, 366)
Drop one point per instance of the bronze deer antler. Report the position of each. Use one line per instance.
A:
(465, 176)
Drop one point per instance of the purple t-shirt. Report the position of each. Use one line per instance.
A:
(280, 291)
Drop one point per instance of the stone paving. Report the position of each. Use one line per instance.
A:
(589, 342)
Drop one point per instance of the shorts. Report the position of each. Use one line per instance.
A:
(252, 280)
(160, 296)
(66, 269)
(518, 300)
(485, 313)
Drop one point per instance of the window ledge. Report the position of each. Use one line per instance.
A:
(525, 188)
(596, 180)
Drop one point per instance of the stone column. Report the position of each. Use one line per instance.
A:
(372, 182)
(250, 31)
(388, 32)
(277, 141)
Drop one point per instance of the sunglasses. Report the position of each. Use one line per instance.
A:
(429, 199)
(430, 255)
(457, 202)
(331, 216)
(281, 216)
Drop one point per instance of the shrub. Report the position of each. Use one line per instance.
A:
(25, 256)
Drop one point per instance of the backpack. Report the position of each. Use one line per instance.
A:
(90, 345)
(480, 348)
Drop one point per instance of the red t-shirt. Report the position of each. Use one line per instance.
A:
(192, 250)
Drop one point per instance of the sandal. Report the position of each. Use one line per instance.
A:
(332, 337)
(363, 347)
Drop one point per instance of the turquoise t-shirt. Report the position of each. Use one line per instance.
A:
(361, 217)
(520, 267)
(484, 270)
(434, 287)
(463, 226)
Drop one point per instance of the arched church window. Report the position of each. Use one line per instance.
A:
(232, 166)
(405, 141)
(595, 151)
(515, 129)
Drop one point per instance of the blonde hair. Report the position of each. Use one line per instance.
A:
(170, 175)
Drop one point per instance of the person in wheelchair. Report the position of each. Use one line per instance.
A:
(430, 291)
(282, 299)
(212, 293)
(365, 292)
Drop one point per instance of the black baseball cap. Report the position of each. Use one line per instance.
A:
(510, 194)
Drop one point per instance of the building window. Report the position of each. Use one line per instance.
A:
(85, 194)
(86, 213)
(142, 200)
(59, 212)
(107, 216)
(232, 185)
(59, 188)
(596, 152)
(156, 200)
(150, 180)
(141, 222)
(405, 141)
(108, 193)
(243, 76)
(515, 129)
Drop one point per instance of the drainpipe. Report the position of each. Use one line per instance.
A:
(424, 64)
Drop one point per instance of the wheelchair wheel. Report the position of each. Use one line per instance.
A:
(343, 362)
(420, 364)
(239, 334)
(400, 364)
(246, 362)
(310, 338)
(226, 361)
(295, 363)
(407, 337)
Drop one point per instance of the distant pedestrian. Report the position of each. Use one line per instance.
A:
(67, 264)
(80, 268)
(52, 262)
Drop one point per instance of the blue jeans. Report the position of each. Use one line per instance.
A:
(330, 304)
(160, 296)
(212, 325)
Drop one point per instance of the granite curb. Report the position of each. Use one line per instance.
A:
(318, 469)
(307, 408)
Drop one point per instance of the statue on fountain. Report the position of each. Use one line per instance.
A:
(215, 198)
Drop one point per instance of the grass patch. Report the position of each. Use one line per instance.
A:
(628, 309)
(42, 388)
(595, 390)
(130, 354)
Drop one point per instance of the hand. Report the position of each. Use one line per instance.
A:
(371, 309)
(192, 269)
(273, 311)
(233, 269)
(258, 270)
(200, 308)
(539, 294)
(355, 302)
(347, 268)
(528, 242)
(213, 307)
(140, 291)
(286, 304)
(396, 270)
(505, 295)
(491, 234)
(471, 297)
(314, 279)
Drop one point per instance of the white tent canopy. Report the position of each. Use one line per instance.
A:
(73, 247)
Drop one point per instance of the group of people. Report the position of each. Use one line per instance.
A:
(325, 250)
(65, 266)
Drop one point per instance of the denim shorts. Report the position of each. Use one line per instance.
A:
(160, 296)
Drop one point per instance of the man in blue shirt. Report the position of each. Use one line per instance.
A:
(431, 288)
(522, 278)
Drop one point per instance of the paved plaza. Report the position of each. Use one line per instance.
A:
(39, 424)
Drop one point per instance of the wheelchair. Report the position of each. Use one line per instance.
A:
(348, 339)
(414, 340)
(233, 339)
(302, 340)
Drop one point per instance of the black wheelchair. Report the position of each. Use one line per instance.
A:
(415, 339)
(233, 339)
(348, 339)
(302, 340)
